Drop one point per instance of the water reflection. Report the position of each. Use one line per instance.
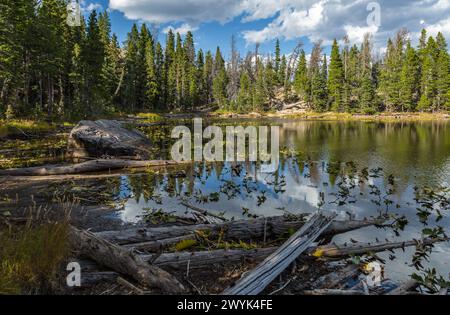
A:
(350, 167)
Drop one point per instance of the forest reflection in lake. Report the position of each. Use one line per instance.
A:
(340, 166)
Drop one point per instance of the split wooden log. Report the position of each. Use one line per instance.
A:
(85, 167)
(259, 278)
(272, 227)
(404, 288)
(335, 251)
(123, 261)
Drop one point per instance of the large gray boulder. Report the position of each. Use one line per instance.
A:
(107, 138)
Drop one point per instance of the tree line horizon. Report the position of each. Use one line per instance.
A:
(50, 69)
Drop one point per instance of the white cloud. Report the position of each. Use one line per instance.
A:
(320, 19)
(356, 33)
(290, 24)
(90, 7)
(182, 29)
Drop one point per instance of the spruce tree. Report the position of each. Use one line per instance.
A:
(301, 84)
(336, 78)
(220, 80)
(409, 79)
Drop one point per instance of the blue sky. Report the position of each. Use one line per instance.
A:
(214, 22)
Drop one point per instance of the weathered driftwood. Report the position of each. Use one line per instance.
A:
(107, 137)
(201, 259)
(85, 167)
(404, 288)
(89, 279)
(335, 251)
(336, 278)
(272, 227)
(123, 261)
(260, 277)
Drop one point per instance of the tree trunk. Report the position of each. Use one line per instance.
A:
(123, 261)
(271, 228)
(260, 277)
(85, 167)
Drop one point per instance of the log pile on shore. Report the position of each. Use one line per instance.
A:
(259, 252)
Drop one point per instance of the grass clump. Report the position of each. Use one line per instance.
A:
(30, 257)
(150, 116)
(17, 127)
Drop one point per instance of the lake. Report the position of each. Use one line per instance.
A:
(359, 169)
(320, 159)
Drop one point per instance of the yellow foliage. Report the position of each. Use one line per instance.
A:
(318, 253)
(185, 244)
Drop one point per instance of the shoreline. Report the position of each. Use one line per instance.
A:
(333, 116)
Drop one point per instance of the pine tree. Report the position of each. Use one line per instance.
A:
(131, 70)
(442, 73)
(428, 77)
(220, 80)
(260, 93)
(301, 84)
(336, 78)
(409, 79)
(170, 71)
(282, 71)
(160, 75)
(208, 75)
(244, 101)
(278, 59)
(319, 87)
(93, 57)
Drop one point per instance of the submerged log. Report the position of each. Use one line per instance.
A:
(260, 277)
(85, 167)
(107, 137)
(272, 227)
(335, 251)
(404, 288)
(123, 261)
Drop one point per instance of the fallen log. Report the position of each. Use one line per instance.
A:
(90, 279)
(333, 292)
(201, 259)
(404, 288)
(85, 167)
(336, 278)
(123, 261)
(259, 278)
(335, 251)
(272, 227)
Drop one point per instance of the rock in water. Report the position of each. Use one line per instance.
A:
(107, 137)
